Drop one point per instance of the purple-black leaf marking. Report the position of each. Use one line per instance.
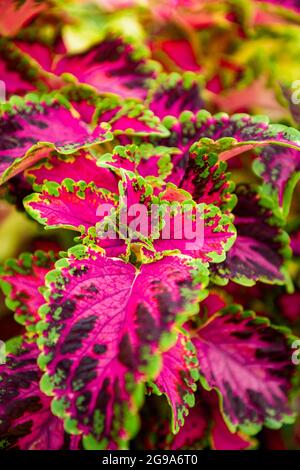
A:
(26, 421)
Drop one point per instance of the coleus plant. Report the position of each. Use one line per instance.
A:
(119, 320)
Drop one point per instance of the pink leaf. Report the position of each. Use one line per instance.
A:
(249, 363)
(261, 246)
(26, 421)
(78, 167)
(177, 379)
(69, 204)
(21, 280)
(112, 66)
(103, 326)
(29, 128)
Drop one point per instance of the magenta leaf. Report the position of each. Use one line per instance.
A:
(217, 234)
(26, 421)
(229, 136)
(280, 170)
(19, 74)
(177, 379)
(112, 66)
(180, 53)
(194, 432)
(206, 178)
(175, 93)
(249, 363)
(30, 127)
(80, 166)
(103, 326)
(261, 246)
(129, 117)
(223, 439)
(68, 205)
(125, 116)
(20, 281)
(145, 159)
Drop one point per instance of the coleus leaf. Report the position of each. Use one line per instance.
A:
(196, 230)
(26, 421)
(193, 434)
(80, 166)
(206, 179)
(128, 117)
(221, 437)
(44, 50)
(75, 206)
(249, 363)
(175, 93)
(15, 14)
(103, 326)
(68, 205)
(145, 159)
(261, 246)
(216, 235)
(205, 424)
(242, 132)
(112, 66)
(177, 379)
(21, 279)
(178, 53)
(19, 74)
(280, 170)
(230, 136)
(30, 127)
(125, 116)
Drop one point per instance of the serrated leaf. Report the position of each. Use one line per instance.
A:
(30, 127)
(80, 166)
(193, 434)
(209, 242)
(249, 363)
(221, 437)
(98, 357)
(279, 169)
(68, 205)
(19, 74)
(20, 280)
(229, 136)
(177, 379)
(175, 93)
(112, 66)
(128, 117)
(145, 159)
(206, 178)
(261, 246)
